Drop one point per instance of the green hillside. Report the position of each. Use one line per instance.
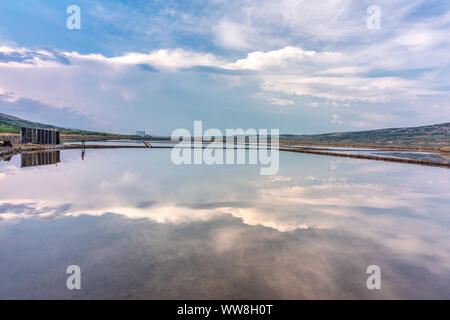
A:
(432, 136)
(11, 124)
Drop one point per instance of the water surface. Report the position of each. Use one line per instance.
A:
(140, 227)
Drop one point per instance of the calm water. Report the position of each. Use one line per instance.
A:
(140, 227)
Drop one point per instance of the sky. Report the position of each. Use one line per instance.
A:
(297, 66)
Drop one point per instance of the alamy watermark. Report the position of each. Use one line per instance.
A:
(235, 147)
(374, 20)
(74, 280)
(74, 20)
(374, 280)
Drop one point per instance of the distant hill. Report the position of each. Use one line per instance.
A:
(12, 124)
(432, 136)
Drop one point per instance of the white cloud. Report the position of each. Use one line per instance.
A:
(336, 119)
(278, 179)
(84, 82)
(281, 102)
(232, 35)
(346, 88)
(163, 58)
(286, 58)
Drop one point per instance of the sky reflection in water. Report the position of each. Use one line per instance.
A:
(141, 227)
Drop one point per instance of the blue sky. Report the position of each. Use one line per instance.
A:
(300, 66)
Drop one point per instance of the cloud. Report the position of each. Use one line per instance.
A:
(290, 70)
(196, 59)
(21, 56)
(331, 75)
(32, 209)
(285, 59)
(232, 35)
(281, 102)
(278, 179)
(163, 58)
(8, 96)
(336, 119)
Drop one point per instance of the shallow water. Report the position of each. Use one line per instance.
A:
(396, 154)
(141, 227)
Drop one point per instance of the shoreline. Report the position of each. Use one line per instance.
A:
(284, 142)
(18, 149)
(371, 157)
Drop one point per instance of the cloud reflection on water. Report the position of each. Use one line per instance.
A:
(308, 233)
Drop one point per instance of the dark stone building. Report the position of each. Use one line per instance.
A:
(32, 159)
(39, 136)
